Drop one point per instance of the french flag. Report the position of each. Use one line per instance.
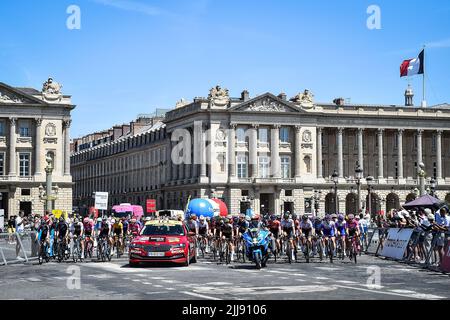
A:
(413, 66)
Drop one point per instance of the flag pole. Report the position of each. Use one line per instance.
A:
(424, 102)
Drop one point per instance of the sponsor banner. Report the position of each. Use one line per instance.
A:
(445, 264)
(151, 205)
(374, 237)
(101, 200)
(395, 244)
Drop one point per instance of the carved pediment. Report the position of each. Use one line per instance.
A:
(10, 95)
(266, 103)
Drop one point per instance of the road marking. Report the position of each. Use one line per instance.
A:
(346, 282)
(322, 278)
(170, 281)
(199, 295)
(34, 279)
(136, 280)
(102, 276)
(147, 283)
(218, 283)
(158, 286)
(416, 295)
(171, 289)
(402, 291)
(157, 278)
(264, 290)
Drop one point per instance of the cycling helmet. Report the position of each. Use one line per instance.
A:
(61, 219)
(305, 217)
(255, 217)
(202, 218)
(317, 219)
(208, 219)
(133, 220)
(86, 220)
(221, 221)
(333, 216)
(99, 219)
(286, 215)
(294, 216)
(351, 216)
(148, 219)
(327, 217)
(272, 217)
(341, 217)
(247, 218)
(76, 220)
(227, 220)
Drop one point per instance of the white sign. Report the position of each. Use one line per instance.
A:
(396, 242)
(2, 218)
(101, 200)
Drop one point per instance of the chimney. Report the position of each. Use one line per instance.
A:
(339, 102)
(245, 95)
(282, 96)
(409, 95)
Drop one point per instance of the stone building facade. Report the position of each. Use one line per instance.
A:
(275, 154)
(34, 124)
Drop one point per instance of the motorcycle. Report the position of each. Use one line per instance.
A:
(257, 246)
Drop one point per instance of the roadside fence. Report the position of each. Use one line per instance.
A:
(430, 250)
(18, 247)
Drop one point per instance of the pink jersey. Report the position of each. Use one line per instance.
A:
(353, 225)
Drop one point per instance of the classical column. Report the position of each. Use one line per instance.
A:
(380, 154)
(12, 146)
(360, 148)
(38, 144)
(66, 128)
(340, 132)
(232, 151)
(253, 150)
(203, 153)
(275, 151)
(319, 153)
(298, 151)
(400, 153)
(439, 155)
(419, 146)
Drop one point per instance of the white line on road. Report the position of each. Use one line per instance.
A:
(147, 283)
(416, 295)
(199, 295)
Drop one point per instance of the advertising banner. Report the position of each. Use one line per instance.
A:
(151, 205)
(101, 200)
(395, 244)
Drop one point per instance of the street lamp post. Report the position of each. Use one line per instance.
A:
(421, 175)
(48, 196)
(433, 186)
(335, 177)
(369, 180)
(358, 175)
(316, 197)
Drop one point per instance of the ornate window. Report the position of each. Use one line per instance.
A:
(24, 164)
(242, 166)
(264, 167)
(2, 164)
(307, 160)
(24, 128)
(240, 134)
(263, 135)
(285, 167)
(284, 135)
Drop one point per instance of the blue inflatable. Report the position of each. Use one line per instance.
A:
(202, 207)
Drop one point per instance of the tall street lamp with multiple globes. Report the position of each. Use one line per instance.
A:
(335, 177)
(369, 180)
(358, 175)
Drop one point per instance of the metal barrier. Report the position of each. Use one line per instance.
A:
(422, 249)
(18, 247)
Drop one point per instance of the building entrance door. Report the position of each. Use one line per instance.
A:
(26, 208)
(265, 203)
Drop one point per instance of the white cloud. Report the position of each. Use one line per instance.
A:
(132, 6)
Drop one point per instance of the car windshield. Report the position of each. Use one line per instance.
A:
(166, 230)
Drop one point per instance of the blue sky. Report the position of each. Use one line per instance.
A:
(131, 57)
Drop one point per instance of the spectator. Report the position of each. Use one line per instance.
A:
(441, 227)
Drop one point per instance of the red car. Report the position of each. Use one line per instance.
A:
(163, 241)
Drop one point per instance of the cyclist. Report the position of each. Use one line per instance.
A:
(61, 231)
(192, 224)
(76, 231)
(288, 228)
(125, 224)
(274, 227)
(203, 231)
(306, 230)
(353, 230)
(242, 225)
(363, 229)
(44, 232)
(117, 229)
(329, 232)
(341, 228)
(317, 225)
(104, 232)
(88, 226)
(227, 233)
(134, 228)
